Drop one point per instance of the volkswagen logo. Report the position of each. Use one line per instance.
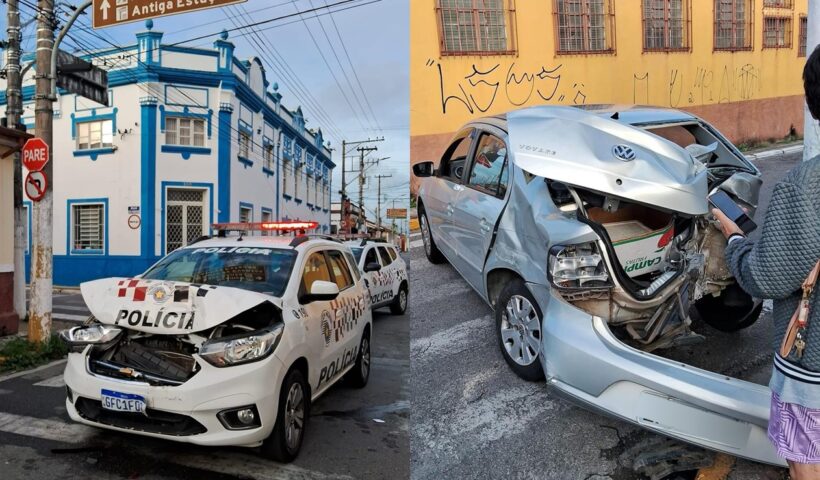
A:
(623, 152)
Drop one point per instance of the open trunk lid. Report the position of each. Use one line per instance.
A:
(585, 150)
(163, 307)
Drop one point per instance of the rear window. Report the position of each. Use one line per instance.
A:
(264, 270)
(392, 252)
(386, 260)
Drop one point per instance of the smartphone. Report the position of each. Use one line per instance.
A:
(723, 202)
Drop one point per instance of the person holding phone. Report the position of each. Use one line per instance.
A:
(776, 267)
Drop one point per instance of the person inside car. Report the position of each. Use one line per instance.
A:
(775, 267)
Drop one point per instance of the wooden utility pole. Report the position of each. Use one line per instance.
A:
(362, 178)
(14, 109)
(343, 191)
(42, 266)
(379, 199)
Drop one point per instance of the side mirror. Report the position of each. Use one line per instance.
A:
(320, 291)
(372, 267)
(423, 169)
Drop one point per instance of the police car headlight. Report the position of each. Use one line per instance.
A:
(578, 266)
(97, 334)
(235, 350)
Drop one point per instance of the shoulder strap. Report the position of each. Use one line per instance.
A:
(811, 280)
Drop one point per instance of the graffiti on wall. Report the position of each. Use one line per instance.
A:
(501, 85)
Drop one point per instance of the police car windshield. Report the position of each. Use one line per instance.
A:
(264, 270)
(357, 252)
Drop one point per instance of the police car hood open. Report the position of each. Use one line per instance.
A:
(582, 149)
(162, 307)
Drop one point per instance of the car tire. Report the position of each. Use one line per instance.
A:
(358, 376)
(399, 305)
(732, 311)
(432, 252)
(518, 327)
(285, 440)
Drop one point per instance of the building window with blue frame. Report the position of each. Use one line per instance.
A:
(245, 214)
(298, 176)
(267, 217)
(95, 134)
(244, 144)
(286, 177)
(185, 131)
(88, 228)
(267, 158)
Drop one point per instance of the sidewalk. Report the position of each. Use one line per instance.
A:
(767, 152)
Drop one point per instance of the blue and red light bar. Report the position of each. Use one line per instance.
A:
(283, 226)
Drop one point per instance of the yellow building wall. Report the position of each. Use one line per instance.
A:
(741, 92)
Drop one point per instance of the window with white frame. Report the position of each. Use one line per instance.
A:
(244, 144)
(96, 134)
(268, 156)
(185, 131)
(286, 166)
(88, 227)
(245, 215)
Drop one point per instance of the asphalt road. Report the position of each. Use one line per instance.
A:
(351, 433)
(471, 417)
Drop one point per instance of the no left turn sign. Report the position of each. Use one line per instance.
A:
(36, 186)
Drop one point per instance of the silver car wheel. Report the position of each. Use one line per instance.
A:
(425, 234)
(402, 299)
(521, 330)
(365, 358)
(294, 416)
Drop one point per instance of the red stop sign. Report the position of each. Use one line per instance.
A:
(35, 154)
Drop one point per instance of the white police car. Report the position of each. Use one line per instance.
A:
(223, 342)
(385, 272)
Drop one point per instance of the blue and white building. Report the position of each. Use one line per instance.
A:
(193, 136)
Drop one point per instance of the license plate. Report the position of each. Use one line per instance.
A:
(122, 402)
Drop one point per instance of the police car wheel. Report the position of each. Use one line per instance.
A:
(285, 440)
(399, 305)
(432, 252)
(360, 373)
(518, 326)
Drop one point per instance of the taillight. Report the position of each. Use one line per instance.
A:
(578, 266)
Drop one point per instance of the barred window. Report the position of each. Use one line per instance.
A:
(733, 24)
(244, 144)
(185, 131)
(268, 156)
(778, 3)
(666, 25)
(472, 27)
(88, 232)
(97, 134)
(584, 26)
(777, 32)
(245, 214)
(804, 25)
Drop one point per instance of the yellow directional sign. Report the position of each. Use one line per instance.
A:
(108, 13)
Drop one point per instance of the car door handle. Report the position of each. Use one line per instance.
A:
(485, 225)
(450, 209)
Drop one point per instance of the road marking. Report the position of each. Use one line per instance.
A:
(69, 317)
(448, 340)
(49, 429)
(249, 466)
(416, 244)
(56, 381)
(415, 235)
(33, 370)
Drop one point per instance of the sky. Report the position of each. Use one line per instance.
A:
(313, 64)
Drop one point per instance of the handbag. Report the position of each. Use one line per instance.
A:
(795, 338)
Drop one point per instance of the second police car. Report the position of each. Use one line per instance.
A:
(223, 342)
(385, 273)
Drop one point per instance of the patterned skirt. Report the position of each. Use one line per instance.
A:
(795, 431)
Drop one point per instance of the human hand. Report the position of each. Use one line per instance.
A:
(727, 226)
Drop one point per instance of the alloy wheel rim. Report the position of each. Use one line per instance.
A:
(365, 358)
(402, 299)
(294, 416)
(425, 234)
(521, 331)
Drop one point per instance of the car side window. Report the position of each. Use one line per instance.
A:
(392, 252)
(316, 268)
(489, 170)
(454, 160)
(341, 271)
(371, 256)
(386, 260)
(352, 262)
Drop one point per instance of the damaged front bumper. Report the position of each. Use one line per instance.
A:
(585, 362)
(188, 412)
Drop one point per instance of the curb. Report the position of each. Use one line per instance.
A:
(774, 152)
